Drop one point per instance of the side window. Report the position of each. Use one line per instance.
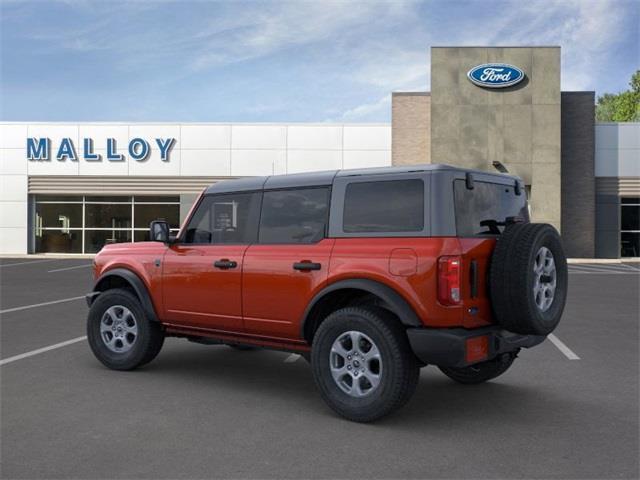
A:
(223, 219)
(384, 206)
(294, 216)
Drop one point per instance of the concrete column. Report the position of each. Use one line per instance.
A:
(578, 174)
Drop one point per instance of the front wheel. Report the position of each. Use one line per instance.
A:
(363, 364)
(480, 372)
(119, 333)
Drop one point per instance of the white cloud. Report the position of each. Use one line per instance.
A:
(587, 31)
(254, 34)
(395, 69)
(367, 110)
(316, 57)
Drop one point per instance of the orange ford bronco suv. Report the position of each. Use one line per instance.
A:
(369, 274)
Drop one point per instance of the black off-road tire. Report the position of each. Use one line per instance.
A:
(512, 278)
(399, 374)
(149, 339)
(480, 372)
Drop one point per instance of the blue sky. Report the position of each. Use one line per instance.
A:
(277, 61)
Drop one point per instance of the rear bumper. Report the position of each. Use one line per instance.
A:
(458, 347)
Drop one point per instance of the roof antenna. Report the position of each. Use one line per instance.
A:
(500, 167)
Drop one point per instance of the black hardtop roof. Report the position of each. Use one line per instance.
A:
(314, 179)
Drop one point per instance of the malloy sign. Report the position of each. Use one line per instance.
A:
(495, 75)
(40, 149)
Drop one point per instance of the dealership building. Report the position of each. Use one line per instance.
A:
(72, 187)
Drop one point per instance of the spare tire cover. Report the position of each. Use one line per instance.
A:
(528, 278)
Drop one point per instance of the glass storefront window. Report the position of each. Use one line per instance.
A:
(630, 243)
(59, 241)
(630, 218)
(108, 199)
(59, 215)
(84, 224)
(143, 235)
(155, 199)
(59, 198)
(630, 227)
(145, 213)
(94, 240)
(107, 215)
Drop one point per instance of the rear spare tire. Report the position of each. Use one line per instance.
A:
(528, 278)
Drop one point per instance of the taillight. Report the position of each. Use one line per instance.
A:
(449, 280)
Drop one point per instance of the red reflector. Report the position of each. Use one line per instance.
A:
(477, 349)
(449, 280)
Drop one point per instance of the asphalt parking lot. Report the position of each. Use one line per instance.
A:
(566, 409)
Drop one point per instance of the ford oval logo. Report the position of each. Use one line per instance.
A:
(495, 75)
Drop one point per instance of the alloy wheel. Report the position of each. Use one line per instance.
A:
(356, 364)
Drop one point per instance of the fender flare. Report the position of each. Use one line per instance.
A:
(396, 303)
(136, 283)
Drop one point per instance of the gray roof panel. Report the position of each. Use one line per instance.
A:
(237, 185)
(391, 170)
(314, 179)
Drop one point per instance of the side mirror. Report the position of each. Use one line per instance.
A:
(159, 231)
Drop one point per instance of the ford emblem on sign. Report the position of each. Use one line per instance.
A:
(495, 75)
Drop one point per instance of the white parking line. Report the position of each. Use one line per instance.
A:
(70, 268)
(27, 263)
(15, 358)
(563, 348)
(292, 358)
(44, 304)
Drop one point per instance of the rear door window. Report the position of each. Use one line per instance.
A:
(384, 206)
(485, 202)
(294, 215)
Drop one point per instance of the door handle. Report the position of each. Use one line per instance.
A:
(225, 264)
(306, 265)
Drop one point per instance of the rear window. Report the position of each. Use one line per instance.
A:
(487, 201)
(384, 206)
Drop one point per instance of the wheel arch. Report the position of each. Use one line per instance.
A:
(346, 292)
(124, 278)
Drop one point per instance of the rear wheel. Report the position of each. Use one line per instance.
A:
(119, 333)
(480, 372)
(362, 363)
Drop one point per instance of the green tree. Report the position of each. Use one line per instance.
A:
(621, 107)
